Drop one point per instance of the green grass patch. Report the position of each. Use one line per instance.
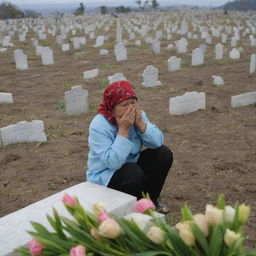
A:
(106, 66)
(104, 82)
(2, 89)
(61, 105)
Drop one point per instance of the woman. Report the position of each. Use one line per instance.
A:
(116, 136)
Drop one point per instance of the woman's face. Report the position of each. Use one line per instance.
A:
(120, 108)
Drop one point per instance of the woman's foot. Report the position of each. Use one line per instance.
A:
(162, 208)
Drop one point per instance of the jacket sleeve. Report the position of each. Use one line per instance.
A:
(113, 153)
(152, 137)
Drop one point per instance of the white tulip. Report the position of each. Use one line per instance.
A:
(229, 214)
(214, 215)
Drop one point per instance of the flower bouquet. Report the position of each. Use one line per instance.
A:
(218, 232)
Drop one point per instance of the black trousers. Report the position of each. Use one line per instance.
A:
(147, 175)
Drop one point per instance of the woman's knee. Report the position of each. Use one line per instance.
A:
(166, 153)
(133, 172)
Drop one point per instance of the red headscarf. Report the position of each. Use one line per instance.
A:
(114, 94)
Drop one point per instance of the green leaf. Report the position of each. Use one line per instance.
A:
(150, 253)
(216, 241)
(58, 225)
(186, 213)
(250, 253)
(40, 228)
(49, 242)
(200, 238)
(221, 202)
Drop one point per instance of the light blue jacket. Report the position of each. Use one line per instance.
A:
(109, 151)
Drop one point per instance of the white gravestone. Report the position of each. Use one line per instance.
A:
(170, 47)
(181, 45)
(104, 52)
(90, 74)
(187, 103)
(99, 41)
(21, 60)
(244, 99)
(233, 42)
(173, 63)
(150, 77)
(223, 38)
(120, 52)
(65, 47)
(23, 132)
(116, 77)
(6, 98)
(234, 54)
(47, 56)
(14, 226)
(156, 46)
(253, 64)
(218, 80)
(137, 43)
(76, 42)
(76, 101)
(197, 57)
(219, 50)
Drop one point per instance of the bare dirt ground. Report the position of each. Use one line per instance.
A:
(214, 149)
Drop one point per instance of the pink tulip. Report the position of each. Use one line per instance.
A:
(143, 205)
(67, 199)
(102, 216)
(77, 251)
(35, 248)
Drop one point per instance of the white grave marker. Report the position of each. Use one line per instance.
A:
(76, 101)
(187, 103)
(150, 77)
(244, 99)
(23, 132)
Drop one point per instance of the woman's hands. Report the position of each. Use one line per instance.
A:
(132, 116)
(126, 121)
(140, 124)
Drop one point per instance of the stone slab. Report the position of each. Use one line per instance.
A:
(14, 227)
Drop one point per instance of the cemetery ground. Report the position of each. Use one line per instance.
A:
(214, 149)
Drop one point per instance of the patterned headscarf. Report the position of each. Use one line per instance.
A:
(115, 93)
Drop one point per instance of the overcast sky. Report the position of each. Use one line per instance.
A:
(122, 2)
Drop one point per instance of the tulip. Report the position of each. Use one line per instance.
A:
(229, 214)
(187, 237)
(95, 233)
(102, 216)
(77, 251)
(98, 207)
(109, 228)
(243, 212)
(184, 225)
(230, 237)
(35, 247)
(185, 232)
(144, 205)
(213, 215)
(143, 221)
(67, 199)
(156, 235)
(201, 222)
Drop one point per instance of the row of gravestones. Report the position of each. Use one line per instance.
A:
(76, 102)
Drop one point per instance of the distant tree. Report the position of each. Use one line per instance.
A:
(10, 11)
(32, 14)
(154, 4)
(103, 9)
(122, 9)
(80, 10)
(142, 4)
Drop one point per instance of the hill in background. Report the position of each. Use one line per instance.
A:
(241, 5)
